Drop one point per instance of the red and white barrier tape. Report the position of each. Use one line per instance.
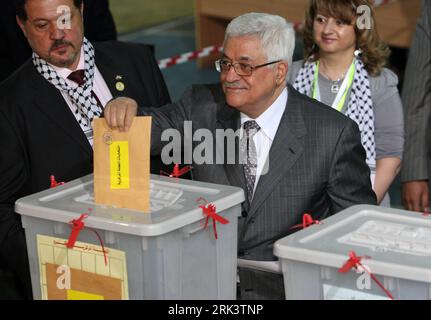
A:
(165, 63)
(207, 51)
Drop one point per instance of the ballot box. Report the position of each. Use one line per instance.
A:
(170, 253)
(361, 253)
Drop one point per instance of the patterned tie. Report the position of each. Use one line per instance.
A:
(78, 77)
(249, 150)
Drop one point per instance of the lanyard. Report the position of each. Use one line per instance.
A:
(342, 93)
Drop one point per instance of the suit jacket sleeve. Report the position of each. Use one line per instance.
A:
(151, 82)
(172, 116)
(349, 178)
(417, 101)
(14, 173)
(5, 65)
(161, 90)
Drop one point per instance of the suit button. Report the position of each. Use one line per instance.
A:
(252, 220)
(244, 214)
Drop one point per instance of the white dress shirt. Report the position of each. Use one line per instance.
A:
(100, 88)
(268, 122)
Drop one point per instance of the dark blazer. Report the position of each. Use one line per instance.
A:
(316, 166)
(416, 96)
(39, 135)
(15, 50)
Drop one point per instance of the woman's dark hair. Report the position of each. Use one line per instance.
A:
(20, 8)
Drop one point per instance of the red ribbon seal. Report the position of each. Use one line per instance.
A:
(177, 172)
(77, 226)
(307, 220)
(54, 183)
(355, 261)
(209, 210)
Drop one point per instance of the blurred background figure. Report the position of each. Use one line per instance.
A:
(14, 49)
(417, 109)
(344, 68)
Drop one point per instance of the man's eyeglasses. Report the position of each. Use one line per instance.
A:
(241, 69)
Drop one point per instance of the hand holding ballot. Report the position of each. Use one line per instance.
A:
(119, 113)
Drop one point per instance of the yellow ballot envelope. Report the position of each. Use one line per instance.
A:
(122, 165)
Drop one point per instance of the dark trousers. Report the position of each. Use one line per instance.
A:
(15, 283)
(260, 285)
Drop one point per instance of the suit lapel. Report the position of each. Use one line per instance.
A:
(106, 66)
(285, 150)
(51, 103)
(116, 80)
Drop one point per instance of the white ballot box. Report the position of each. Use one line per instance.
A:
(395, 247)
(122, 254)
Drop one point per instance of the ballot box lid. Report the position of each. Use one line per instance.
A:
(174, 204)
(392, 242)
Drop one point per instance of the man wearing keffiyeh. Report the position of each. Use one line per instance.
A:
(46, 109)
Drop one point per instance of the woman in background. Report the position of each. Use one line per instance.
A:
(344, 68)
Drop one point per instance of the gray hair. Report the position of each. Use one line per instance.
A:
(276, 34)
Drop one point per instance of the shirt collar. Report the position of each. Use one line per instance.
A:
(270, 119)
(65, 72)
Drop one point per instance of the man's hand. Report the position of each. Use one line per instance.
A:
(416, 195)
(119, 113)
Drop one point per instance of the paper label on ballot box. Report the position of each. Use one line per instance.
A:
(80, 273)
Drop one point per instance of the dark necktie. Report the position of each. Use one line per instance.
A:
(78, 77)
(250, 163)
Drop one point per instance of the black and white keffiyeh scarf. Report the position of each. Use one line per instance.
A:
(360, 107)
(87, 107)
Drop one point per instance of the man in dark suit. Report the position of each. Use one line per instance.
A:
(46, 109)
(15, 50)
(415, 174)
(297, 155)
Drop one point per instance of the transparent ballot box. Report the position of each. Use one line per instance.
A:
(361, 253)
(169, 253)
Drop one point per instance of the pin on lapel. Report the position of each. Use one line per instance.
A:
(119, 85)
